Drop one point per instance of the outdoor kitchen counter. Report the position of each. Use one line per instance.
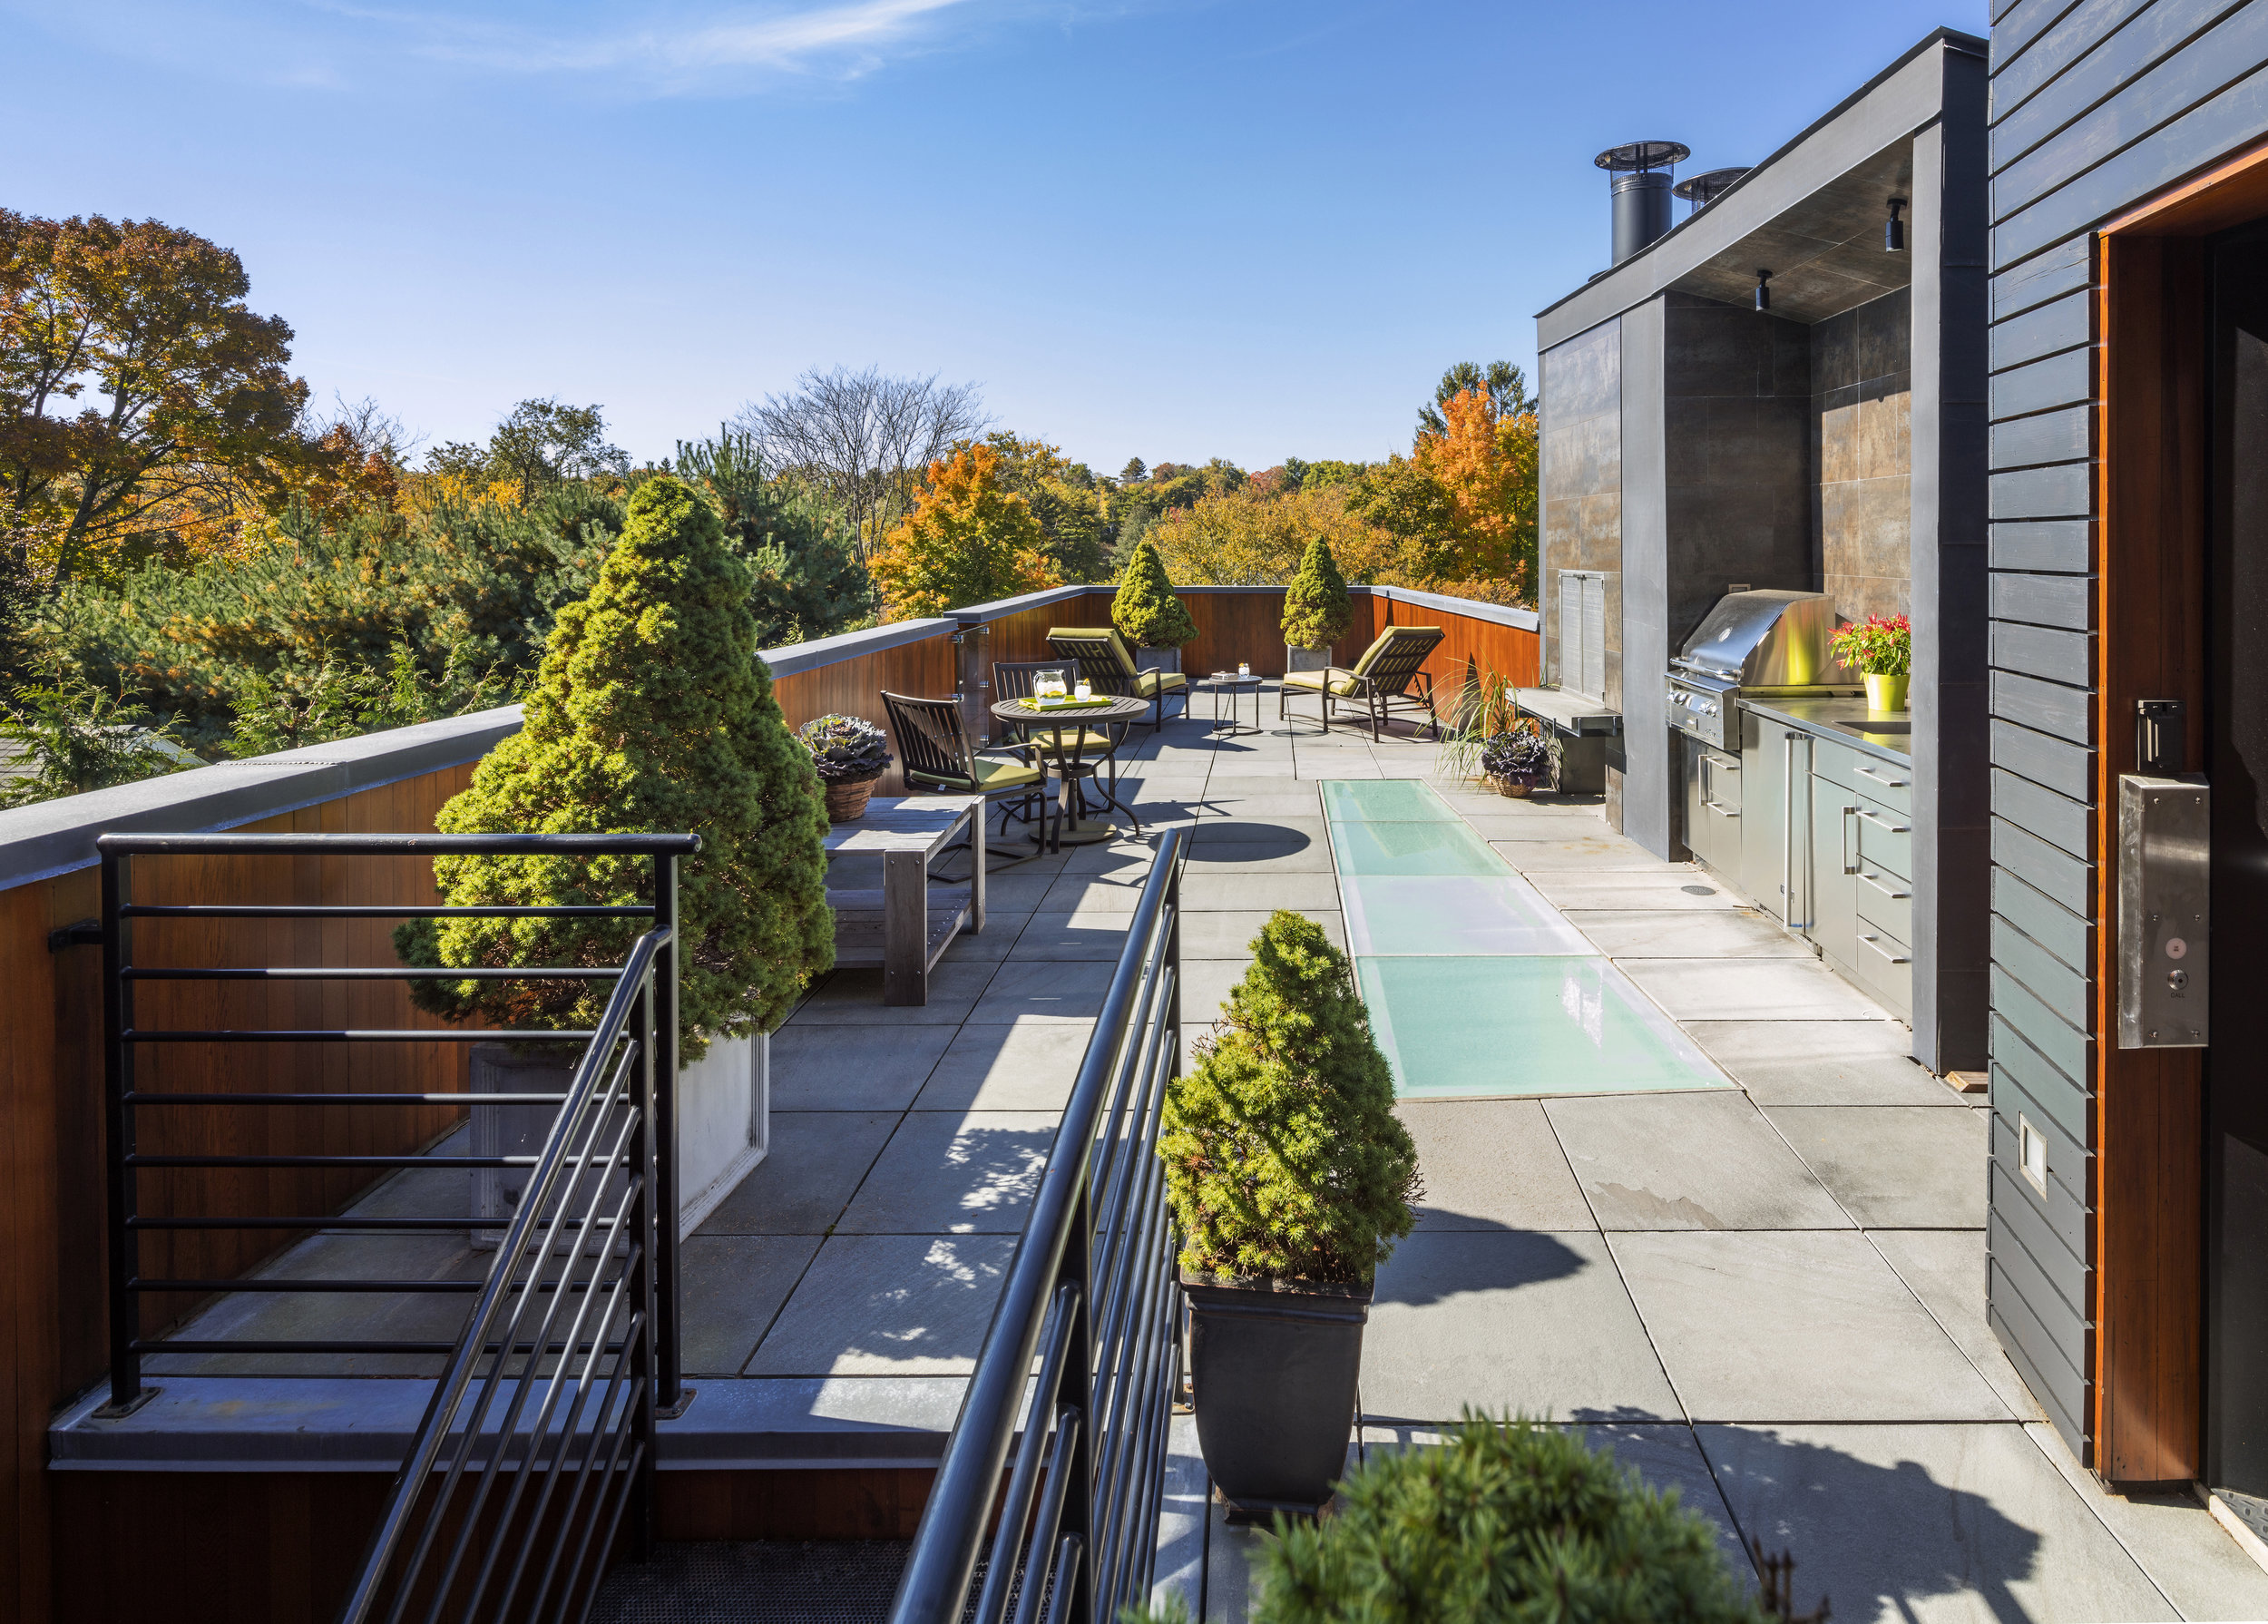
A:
(1820, 716)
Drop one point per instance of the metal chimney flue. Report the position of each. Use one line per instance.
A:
(1640, 175)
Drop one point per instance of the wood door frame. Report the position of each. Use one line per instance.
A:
(2145, 1241)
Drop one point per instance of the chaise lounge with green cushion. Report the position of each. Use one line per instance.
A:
(1379, 681)
(1104, 659)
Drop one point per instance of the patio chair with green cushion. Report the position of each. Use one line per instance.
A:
(935, 748)
(1379, 681)
(1104, 659)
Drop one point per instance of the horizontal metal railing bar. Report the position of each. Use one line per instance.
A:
(404, 1224)
(252, 910)
(352, 1286)
(320, 1035)
(140, 1099)
(365, 972)
(356, 1161)
(518, 1349)
(379, 846)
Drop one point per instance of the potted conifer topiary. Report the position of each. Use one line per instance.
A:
(1316, 610)
(1147, 614)
(1290, 1179)
(652, 711)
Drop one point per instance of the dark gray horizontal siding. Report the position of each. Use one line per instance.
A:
(2054, 274)
(2043, 386)
(2066, 768)
(2142, 97)
(2045, 921)
(2048, 1359)
(2049, 1274)
(2056, 1094)
(2020, 25)
(2094, 78)
(2047, 706)
(2061, 436)
(2233, 119)
(2079, 31)
(2055, 1230)
(2056, 819)
(2064, 601)
(2064, 491)
(2069, 1162)
(2055, 1038)
(2038, 652)
(2048, 978)
(2060, 324)
(2044, 868)
(2059, 544)
(2065, 1213)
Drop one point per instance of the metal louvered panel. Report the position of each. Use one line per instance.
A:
(1583, 631)
(1595, 636)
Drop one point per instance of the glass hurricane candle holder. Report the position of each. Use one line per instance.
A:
(1243, 668)
(1085, 691)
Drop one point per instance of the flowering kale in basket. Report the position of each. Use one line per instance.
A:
(847, 749)
(1516, 756)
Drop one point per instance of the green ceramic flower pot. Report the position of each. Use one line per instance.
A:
(1885, 692)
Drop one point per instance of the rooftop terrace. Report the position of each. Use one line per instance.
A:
(1682, 1185)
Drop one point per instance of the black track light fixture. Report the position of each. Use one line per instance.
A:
(1763, 290)
(1894, 230)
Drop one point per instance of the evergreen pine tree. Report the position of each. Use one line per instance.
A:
(1316, 610)
(1146, 612)
(1282, 1155)
(652, 711)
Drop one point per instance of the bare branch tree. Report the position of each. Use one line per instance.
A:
(863, 437)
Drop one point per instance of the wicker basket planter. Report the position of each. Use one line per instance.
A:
(1519, 785)
(846, 799)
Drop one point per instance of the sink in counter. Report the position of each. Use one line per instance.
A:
(1883, 727)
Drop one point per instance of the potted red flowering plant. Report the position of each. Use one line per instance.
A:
(1880, 648)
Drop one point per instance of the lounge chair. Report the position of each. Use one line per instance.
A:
(1103, 658)
(1380, 681)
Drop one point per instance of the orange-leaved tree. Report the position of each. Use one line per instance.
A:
(969, 540)
(1465, 497)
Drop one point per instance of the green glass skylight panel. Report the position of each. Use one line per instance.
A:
(1514, 1025)
(1442, 913)
(1440, 848)
(1384, 800)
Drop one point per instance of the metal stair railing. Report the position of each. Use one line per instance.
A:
(1091, 1293)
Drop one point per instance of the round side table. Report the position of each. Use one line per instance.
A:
(1230, 685)
(1071, 771)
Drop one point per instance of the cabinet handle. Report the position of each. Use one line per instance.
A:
(1707, 800)
(1843, 828)
(1894, 896)
(1888, 956)
(1875, 818)
(1880, 778)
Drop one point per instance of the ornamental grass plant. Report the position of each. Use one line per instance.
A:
(1317, 611)
(650, 712)
(1145, 611)
(1284, 1159)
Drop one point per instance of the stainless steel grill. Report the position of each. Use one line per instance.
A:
(1762, 643)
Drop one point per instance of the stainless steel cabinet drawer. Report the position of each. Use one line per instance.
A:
(1885, 782)
(1883, 837)
(1885, 901)
(1885, 968)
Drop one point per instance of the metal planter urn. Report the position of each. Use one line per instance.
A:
(1296, 658)
(1274, 1366)
(722, 1106)
(1156, 659)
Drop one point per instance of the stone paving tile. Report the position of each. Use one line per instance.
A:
(816, 1164)
(1682, 889)
(1245, 893)
(1720, 989)
(1507, 1320)
(854, 998)
(1668, 1456)
(1796, 1326)
(1823, 1062)
(730, 1288)
(1917, 1524)
(835, 1067)
(1895, 1167)
(1227, 934)
(996, 941)
(1491, 1165)
(1205, 984)
(1298, 854)
(1946, 1269)
(1029, 1065)
(1600, 852)
(1687, 1161)
(1231, 803)
(950, 1173)
(888, 1304)
(1650, 934)
(1091, 934)
(1027, 990)
(1262, 830)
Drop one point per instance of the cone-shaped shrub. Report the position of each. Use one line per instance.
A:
(1283, 1158)
(1520, 1521)
(1145, 611)
(652, 711)
(1316, 609)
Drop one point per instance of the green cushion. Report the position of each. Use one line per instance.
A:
(1099, 634)
(1054, 744)
(1343, 682)
(992, 774)
(1386, 637)
(1150, 684)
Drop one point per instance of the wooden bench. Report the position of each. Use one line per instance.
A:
(896, 927)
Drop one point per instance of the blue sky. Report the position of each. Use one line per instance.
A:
(1166, 228)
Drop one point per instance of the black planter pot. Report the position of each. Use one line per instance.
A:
(1275, 1368)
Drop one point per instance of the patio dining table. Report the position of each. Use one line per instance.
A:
(1070, 724)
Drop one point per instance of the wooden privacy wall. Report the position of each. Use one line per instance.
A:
(1511, 652)
(853, 687)
(52, 1281)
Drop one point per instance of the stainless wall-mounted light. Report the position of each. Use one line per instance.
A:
(1763, 290)
(1895, 231)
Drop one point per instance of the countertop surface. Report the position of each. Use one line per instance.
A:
(1821, 717)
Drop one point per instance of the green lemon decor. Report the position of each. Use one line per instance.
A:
(1880, 648)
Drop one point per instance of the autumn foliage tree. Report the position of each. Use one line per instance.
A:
(1464, 499)
(969, 540)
